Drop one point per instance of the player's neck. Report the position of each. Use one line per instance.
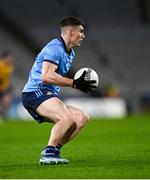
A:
(67, 41)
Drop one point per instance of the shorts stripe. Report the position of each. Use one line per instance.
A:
(40, 92)
(37, 93)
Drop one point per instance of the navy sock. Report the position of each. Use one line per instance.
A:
(50, 149)
(59, 146)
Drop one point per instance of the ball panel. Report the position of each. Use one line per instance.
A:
(79, 72)
(90, 75)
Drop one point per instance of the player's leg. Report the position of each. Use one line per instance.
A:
(5, 104)
(80, 118)
(53, 110)
(0, 107)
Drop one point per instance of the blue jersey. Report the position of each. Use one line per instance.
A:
(55, 52)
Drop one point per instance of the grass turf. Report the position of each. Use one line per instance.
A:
(104, 149)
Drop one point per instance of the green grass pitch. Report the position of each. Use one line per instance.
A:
(104, 149)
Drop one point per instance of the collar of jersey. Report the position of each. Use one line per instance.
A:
(64, 45)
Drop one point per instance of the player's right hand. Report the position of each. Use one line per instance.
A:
(82, 84)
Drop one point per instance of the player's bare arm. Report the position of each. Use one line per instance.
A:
(50, 76)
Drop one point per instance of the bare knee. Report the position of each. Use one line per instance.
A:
(83, 121)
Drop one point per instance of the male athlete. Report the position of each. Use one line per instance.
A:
(40, 94)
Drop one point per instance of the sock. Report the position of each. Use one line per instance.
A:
(57, 149)
(50, 149)
(59, 146)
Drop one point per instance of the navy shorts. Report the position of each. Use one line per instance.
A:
(31, 100)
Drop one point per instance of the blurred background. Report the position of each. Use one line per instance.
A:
(117, 47)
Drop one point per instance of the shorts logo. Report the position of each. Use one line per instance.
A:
(49, 93)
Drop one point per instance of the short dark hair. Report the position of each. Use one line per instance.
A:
(72, 21)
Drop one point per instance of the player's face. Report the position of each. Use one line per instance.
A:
(77, 35)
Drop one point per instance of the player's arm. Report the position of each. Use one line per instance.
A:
(50, 76)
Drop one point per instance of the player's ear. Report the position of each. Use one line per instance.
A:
(70, 31)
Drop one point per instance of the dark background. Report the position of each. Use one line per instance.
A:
(117, 41)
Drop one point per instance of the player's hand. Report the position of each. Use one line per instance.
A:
(82, 84)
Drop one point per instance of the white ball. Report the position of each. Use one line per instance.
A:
(90, 75)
